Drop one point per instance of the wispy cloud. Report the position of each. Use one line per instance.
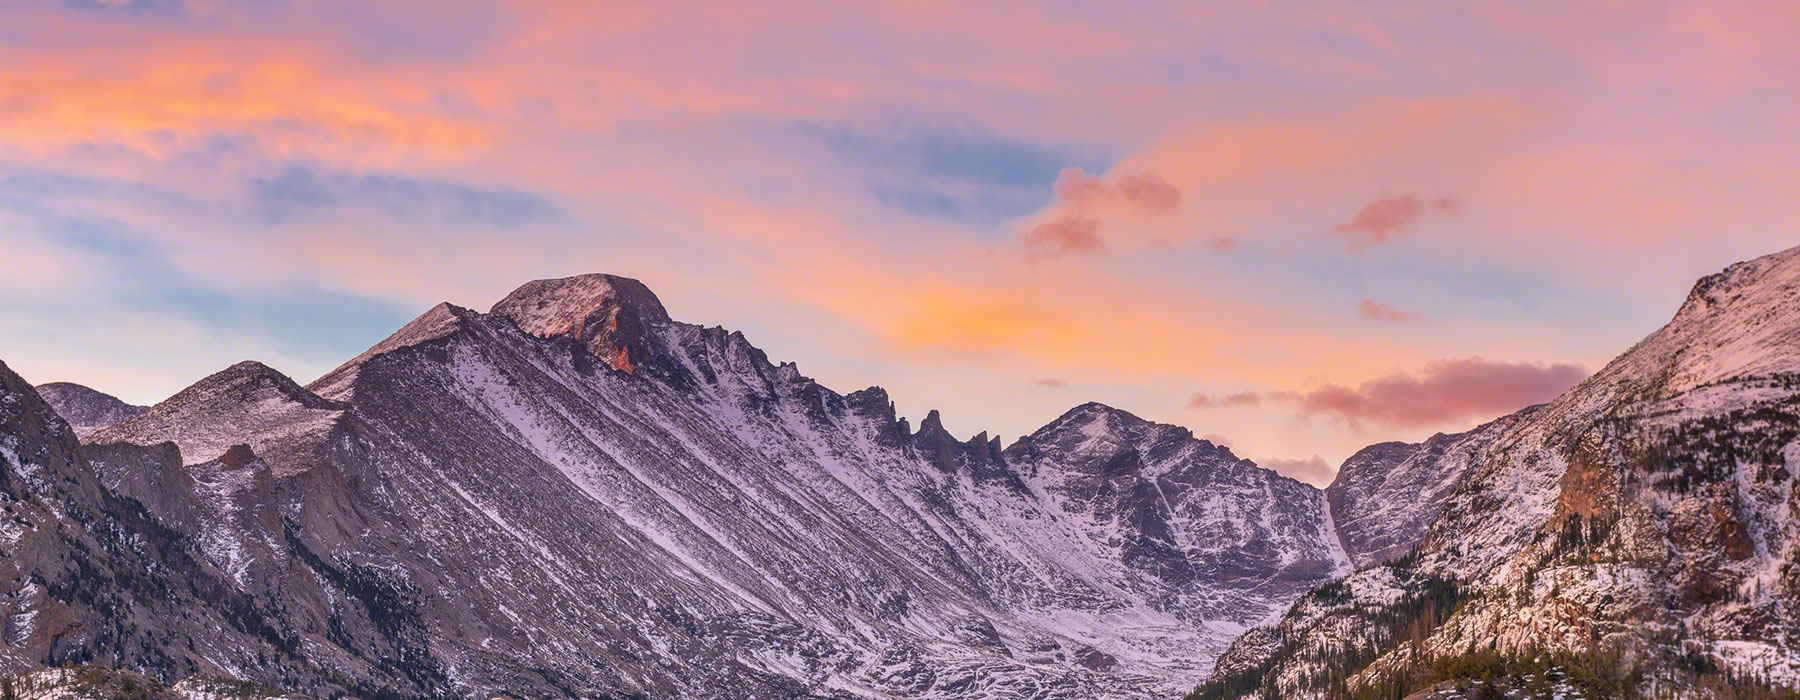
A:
(1237, 400)
(299, 191)
(1141, 192)
(1083, 204)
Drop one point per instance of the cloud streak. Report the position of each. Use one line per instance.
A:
(1381, 312)
(1141, 193)
(1246, 399)
(1443, 393)
(298, 192)
(1312, 470)
(1389, 218)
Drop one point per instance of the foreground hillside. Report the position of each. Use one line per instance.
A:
(1642, 524)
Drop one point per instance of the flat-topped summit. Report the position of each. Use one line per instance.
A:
(613, 316)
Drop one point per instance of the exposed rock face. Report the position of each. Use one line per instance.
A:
(85, 409)
(576, 495)
(1648, 510)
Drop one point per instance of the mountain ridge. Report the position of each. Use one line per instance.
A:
(575, 494)
(796, 539)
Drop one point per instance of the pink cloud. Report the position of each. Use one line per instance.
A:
(1312, 470)
(1238, 400)
(1445, 392)
(1075, 186)
(1149, 193)
(1070, 234)
(1143, 193)
(1382, 312)
(1389, 218)
(1082, 199)
(1050, 383)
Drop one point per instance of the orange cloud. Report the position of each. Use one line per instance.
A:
(1083, 200)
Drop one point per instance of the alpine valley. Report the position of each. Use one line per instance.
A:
(575, 495)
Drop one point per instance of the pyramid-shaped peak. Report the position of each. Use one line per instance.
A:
(1095, 417)
(244, 379)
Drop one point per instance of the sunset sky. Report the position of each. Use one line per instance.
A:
(1297, 228)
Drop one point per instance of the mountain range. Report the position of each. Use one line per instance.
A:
(573, 494)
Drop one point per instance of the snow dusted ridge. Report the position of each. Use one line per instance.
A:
(574, 494)
(86, 410)
(1646, 512)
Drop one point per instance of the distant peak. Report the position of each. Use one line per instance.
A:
(613, 316)
(85, 408)
(251, 374)
(249, 371)
(1094, 411)
(75, 391)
